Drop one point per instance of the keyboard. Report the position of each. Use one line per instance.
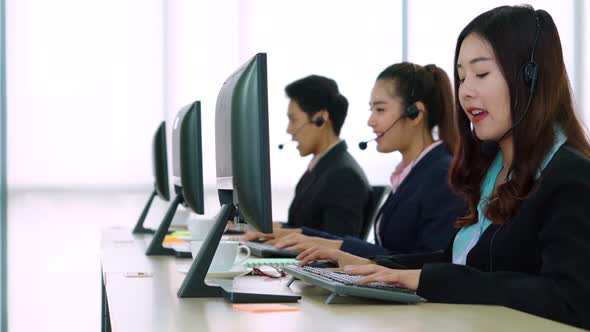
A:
(267, 251)
(340, 283)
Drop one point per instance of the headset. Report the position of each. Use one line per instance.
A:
(410, 112)
(319, 122)
(530, 75)
(530, 70)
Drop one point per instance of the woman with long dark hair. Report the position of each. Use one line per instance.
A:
(522, 164)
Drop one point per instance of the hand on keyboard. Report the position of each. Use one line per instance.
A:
(348, 279)
(256, 236)
(376, 273)
(340, 257)
(299, 243)
(277, 233)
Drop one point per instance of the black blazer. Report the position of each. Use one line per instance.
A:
(538, 262)
(420, 215)
(333, 196)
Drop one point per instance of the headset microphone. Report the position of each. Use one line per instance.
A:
(408, 114)
(363, 145)
(317, 122)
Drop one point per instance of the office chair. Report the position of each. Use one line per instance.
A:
(376, 197)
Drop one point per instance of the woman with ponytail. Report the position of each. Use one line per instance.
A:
(408, 102)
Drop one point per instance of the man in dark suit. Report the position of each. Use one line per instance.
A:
(333, 193)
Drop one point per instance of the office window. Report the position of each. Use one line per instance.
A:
(350, 42)
(3, 198)
(85, 91)
(201, 51)
(430, 42)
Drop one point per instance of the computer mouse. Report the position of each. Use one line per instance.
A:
(322, 264)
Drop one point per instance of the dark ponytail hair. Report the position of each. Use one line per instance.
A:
(444, 100)
(431, 86)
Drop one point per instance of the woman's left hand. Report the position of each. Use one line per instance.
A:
(376, 273)
(300, 243)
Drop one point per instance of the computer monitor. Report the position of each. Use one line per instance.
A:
(187, 161)
(187, 171)
(160, 170)
(243, 168)
(241, 144)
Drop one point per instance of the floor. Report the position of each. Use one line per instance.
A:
(53, 253)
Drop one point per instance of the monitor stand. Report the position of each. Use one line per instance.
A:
(139, 229)
(194, 284)
(156, 247)
(243, 294)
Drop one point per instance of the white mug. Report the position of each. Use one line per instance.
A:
(198, 228)
(225, 255)
(181, 216)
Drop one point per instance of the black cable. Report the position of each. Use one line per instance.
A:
(491, 244)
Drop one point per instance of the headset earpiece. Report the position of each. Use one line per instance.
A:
(530, 75)
(319, 121)
(530, 72)
(412, 112)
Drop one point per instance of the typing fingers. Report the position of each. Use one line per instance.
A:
(390, 277)
(300, 247)
(315, 255)
(289, 240)
(306, 253)
(251, 236)
(363, 270)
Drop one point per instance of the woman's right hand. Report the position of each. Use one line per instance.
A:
(255, 236)
(336, 256)
(276, 234)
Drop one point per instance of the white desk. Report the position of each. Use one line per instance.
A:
(151, 304)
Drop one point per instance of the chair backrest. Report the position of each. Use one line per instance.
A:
(378, 194)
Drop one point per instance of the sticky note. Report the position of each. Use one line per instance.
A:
(171, 239)
(263, 307)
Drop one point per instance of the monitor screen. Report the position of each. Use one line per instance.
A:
(160, 163)
(187, 160)
(241, 142)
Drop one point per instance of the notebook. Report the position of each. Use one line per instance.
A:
(256, 262)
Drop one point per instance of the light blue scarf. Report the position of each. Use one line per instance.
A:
(468, 236)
